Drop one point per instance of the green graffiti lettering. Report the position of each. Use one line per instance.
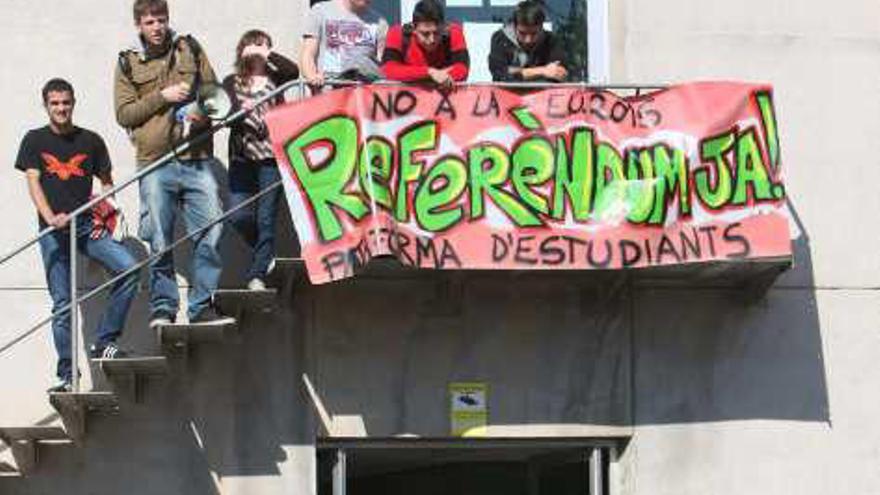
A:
(713, 152)
(768, 118)
(527, 119)
(672, 175)
(532, 165)
(574, 176)
(487, 181)
(750, 170)
(442, 187)
(421, 137)
(325, 182)
(609, 170)
(640, 176)
(377, 157)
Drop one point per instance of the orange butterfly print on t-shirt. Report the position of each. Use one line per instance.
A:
(65, 170)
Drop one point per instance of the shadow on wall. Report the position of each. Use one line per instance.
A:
(156, 453)
(230, 409)
(226, 409)
(567, 349)
(701, 356)
(553, 348)
(549, 349)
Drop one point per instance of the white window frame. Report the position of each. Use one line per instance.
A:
(598, 39)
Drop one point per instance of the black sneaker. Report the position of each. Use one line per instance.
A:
(210, 317)
(62, 386)
(109, 351)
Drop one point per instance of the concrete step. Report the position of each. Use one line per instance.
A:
(74, 408)
(129, 375)
(234, 302)
(147, 365)
(181, 335)
(24, 443)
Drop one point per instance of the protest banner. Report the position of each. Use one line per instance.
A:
(558, 178)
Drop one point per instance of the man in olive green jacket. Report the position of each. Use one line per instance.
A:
(155, 81)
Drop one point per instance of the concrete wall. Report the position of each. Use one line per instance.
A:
(724, 397)
(557, 358)
(779, 397)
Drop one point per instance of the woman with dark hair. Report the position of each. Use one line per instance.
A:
(258, 72)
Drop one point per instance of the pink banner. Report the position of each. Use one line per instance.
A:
(562, 178)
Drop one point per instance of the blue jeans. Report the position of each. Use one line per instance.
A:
(255, 222)
(191, 185)
(114, 257)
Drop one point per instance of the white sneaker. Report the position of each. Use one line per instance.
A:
(256, 284)
(160, 321)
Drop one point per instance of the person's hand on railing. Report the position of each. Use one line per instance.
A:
(176, 93)
(441, 77)
(58, 220)
(316, 79)
(555, 71)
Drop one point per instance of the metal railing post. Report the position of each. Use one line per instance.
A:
(597, 483)
(340, 475)
(74, 331)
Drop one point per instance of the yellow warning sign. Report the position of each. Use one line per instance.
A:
(468, 408)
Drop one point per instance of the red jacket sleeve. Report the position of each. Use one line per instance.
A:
(458, 54)
(394, 65)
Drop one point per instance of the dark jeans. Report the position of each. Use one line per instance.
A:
(114, 257)
(255, 222)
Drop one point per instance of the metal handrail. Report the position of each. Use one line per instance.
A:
(75, 299)
(30, 331)
(515, 85)
(158, 163)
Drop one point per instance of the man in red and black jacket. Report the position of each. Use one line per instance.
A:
(427, 49)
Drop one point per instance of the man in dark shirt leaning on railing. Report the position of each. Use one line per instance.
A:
(60, 160)
(522, 51)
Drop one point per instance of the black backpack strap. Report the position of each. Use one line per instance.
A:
(406, 34)
(195, 48)
(446, 44)
(125, 63)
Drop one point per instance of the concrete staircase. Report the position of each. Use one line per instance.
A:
(128, 377)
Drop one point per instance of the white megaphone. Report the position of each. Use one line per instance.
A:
(212, 103)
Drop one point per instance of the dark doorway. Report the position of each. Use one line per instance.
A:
(466, 467)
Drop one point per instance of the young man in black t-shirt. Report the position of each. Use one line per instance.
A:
(60, 161)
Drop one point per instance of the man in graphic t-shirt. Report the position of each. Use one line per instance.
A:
(60, 160)
(343, 39)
